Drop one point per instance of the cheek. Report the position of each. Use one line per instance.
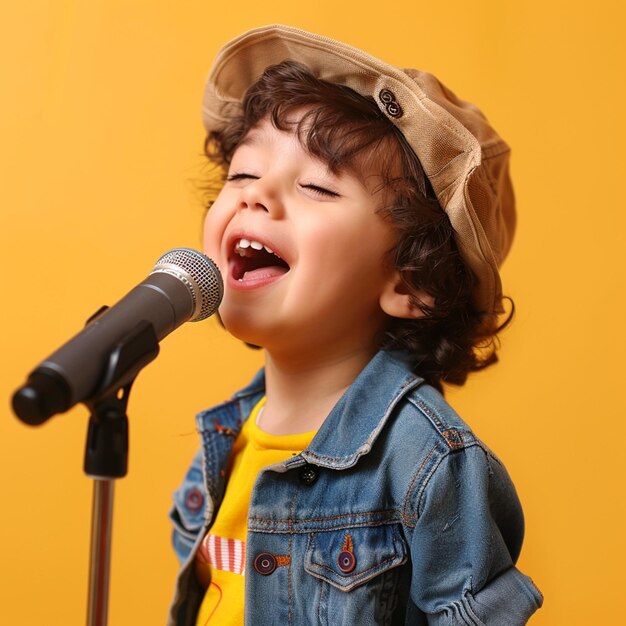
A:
(210, 239)
(347, 267)
(350, 244)
(215, 223)
(329, 231)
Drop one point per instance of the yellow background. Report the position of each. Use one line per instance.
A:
(100, 172)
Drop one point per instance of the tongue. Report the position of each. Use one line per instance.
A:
(257, 266)
(269, 271)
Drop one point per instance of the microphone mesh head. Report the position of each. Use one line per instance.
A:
(200, 274)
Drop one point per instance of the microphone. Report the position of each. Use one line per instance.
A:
(185, 285)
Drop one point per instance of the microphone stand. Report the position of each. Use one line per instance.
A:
(106, 454)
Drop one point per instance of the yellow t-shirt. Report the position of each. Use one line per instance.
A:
(221, 557)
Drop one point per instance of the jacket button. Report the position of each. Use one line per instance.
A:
(265, 563)
(194, 500)
(346, 561)
(308, 474)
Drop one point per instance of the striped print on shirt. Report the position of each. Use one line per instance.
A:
(228, 555)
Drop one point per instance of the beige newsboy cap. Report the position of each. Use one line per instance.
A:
(464, 158)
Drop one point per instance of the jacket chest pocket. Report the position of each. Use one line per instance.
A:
(360, 567)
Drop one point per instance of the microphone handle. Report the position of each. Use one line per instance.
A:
(75, 372)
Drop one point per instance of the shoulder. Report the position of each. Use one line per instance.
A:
(426, 407)
(443, 458)
(424, 414)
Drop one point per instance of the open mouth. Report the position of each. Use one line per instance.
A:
(252, 260)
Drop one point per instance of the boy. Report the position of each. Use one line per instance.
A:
(359, 230)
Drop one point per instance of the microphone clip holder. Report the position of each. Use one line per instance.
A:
(106, 453)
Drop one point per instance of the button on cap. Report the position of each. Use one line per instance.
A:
(308, 474)
(386, 96)
(346, 561)
(394, 109)
(265, 563)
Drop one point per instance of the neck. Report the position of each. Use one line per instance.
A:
(301, 392)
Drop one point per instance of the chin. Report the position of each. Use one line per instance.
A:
(245, 329)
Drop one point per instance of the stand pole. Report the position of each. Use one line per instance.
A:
(100, 559)
(106, 455)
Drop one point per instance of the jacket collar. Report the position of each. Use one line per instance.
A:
(357, 419)
(359, 416)
(352, 426)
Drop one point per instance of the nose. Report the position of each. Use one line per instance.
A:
(261, 194)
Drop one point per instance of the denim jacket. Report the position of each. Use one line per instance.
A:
(395, 514)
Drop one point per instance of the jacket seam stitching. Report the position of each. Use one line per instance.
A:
(428, 479)
(440, 425)
(289, 594)
(290, 520)
(406, 516)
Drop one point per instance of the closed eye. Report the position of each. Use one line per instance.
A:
(321, 191)
(240, 176)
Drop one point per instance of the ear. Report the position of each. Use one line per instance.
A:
(396, 300)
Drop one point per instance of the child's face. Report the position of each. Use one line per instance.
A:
(316, 282)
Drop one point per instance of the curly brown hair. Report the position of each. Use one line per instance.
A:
(349, 132)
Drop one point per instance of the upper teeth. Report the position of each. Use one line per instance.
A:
(242, 244)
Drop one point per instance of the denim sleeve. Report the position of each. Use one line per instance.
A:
(466, 540)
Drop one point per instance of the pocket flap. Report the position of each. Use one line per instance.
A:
(348, 558)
